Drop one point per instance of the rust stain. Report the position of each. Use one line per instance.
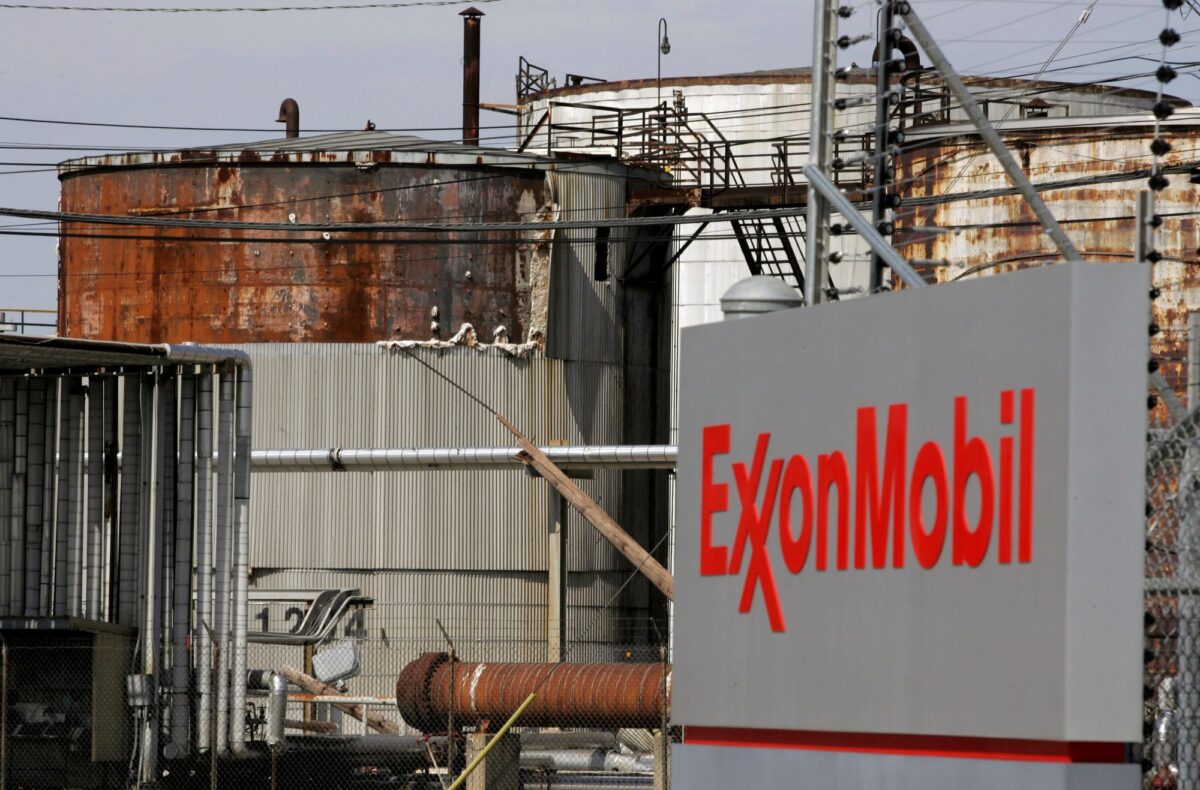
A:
(161, 287)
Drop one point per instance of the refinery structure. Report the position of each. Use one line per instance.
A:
(350, 442)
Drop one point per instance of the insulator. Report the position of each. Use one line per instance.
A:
(896, 136)
(836, 229)
(901, 7)
(1154, 256)
(1168, 37)
(1160, 147)
(1154, 329)
(845, 42)
(885, 228)
(1172, 5)
(1151, 402)
(1155, 221)
(1165, 73)
(1158, 182)
(838, 163)
(837, 256)
(852, 101)
(841, 73)
(892, 201)
(1153, 366)
(846, 11)
(1163, 110)
(1155, 293)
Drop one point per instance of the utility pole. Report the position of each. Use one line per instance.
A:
(820, 146)
(880, 197)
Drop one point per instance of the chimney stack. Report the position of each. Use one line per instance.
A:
(289, 113)
(470, 131)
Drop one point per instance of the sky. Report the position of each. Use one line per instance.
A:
(401, 68)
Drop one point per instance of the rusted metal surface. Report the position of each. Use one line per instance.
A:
(599, 696)
(157, 286)
(289, 114)
(471, 23)
(991, 234)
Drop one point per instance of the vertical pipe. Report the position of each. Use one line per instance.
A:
(883, 84)
(49, 496)
(8, 437)
(74, 534)
(471, 19)
(16, 516)
(1193, 386)
(150, 578)
(222, 597)
(168, 441)
(820, 135)
(62, 509)
(95, 492)
(204, 561)
(128, 570)
(34, 497)
(289, 113)
(556, 573)
(241, 557)
(180, 622)
(109, 545)
(276, 709)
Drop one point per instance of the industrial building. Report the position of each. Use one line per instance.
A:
(572, 334)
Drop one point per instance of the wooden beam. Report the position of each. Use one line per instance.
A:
(360, 712)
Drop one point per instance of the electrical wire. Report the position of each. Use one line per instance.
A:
(235, 9)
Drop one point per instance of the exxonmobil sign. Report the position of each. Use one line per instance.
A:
(803, 504)
(919, 513)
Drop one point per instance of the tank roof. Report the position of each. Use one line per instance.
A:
(361, 148)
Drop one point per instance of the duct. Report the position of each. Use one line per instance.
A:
(131, 451)
(8, 428)
(16, 521)
(46, 549)
(95, 492)
(74, 532)
(645, 456)
(180, 624)
(568, 695)
(34, 499)
(222, 597)
(204, 559)
(62, 509)
(587, 760)
(241, 551)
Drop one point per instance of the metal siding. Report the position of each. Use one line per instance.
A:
(331, 395)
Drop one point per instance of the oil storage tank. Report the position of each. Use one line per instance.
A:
(540, 324)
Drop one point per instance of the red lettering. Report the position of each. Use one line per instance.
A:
(930, 465)
(833, 471)
(753, 527)
(869, 502)
(971, 457)
(714, 498)
(796, 477)
(1025, 505)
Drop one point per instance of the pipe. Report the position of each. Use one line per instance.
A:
(74, 536)
(150, 579)
(289, 113)
(223, 600)
(109, 547)
(8, 430)
(95, 492)
(131, 452)
(241, 550)
(34, 501)
(588, 760)
(277, 687)
(168, 443)
(471, 23)
(49, 493)
(180, 624)
(62, 508)
(16, 534)
(569, 695)
(647, 456)
(204, 554)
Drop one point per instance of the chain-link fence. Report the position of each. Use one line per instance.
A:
(81, 712)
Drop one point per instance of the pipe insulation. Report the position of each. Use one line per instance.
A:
(16, 521)
(34, 498)
(567, 695)
(204, 559)
(62, 508)
(95, 493)
(222, 596)
(74, 533)
(131, 469)
(8, 435)
(241, 552)
(168, 412)
(109, 545)
(645, 456)
(49, 492)
(182, 596)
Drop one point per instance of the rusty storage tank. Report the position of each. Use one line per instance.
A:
(962, 219)
(161, 284)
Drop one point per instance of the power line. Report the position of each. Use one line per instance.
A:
(236, 9)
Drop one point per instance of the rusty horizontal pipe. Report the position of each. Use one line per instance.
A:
(568, 695)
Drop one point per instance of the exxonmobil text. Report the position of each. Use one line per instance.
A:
(887, 501)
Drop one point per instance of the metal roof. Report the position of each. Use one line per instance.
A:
(21, 353)
(1183, 118)
(360, 148)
